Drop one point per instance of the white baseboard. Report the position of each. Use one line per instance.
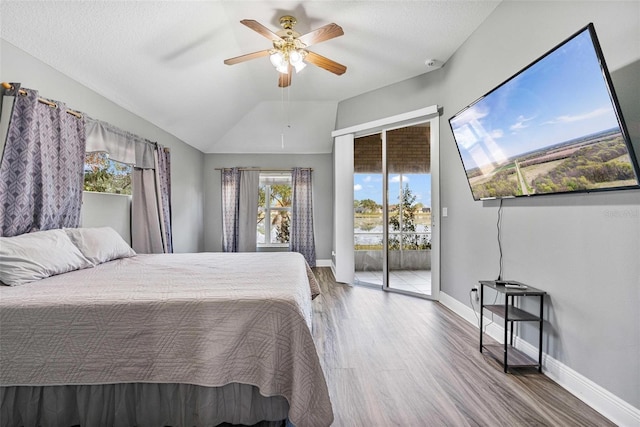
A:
(600, 399)
(493, 329)
(333, 268)
(323, 263)
(594, 395)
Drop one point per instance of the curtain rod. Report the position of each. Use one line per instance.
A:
(23, 92)
(263, 170)
(9, 86)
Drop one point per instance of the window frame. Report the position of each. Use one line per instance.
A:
(268, 209)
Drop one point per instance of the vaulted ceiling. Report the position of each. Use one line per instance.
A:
(163, 60)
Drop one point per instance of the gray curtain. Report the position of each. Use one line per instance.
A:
(230, 209)
(239, 209)
(42, 169)
(302, 235)
(146, 234)
(248, 210)
(150, 206)
(106, 138)
(121, 145)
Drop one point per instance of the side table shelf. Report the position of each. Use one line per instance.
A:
(506, 352)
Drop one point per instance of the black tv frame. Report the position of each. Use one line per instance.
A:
(616, 107)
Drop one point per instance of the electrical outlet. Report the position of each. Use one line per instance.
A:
(476, 292)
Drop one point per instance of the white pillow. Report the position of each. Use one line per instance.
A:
(34, 256)
(100, 244)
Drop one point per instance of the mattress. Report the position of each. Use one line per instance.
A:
(205, 319)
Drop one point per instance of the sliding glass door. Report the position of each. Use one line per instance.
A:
(408, 180)
(368, 210)
(392, 210)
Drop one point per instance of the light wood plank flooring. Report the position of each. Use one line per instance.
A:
(395, 360)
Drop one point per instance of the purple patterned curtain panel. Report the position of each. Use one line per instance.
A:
(230, 209)
(302, 239)
(42, 169)
(163, 171)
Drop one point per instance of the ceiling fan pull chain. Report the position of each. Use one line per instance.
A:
(283, 119)
(288, 107)
(285, 114)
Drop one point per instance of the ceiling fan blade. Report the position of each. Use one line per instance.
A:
(326, 63)
(284, 80)
(322, 34)
(247, 57)
(261, 29)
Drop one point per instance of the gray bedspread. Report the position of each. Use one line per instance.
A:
(206, 319)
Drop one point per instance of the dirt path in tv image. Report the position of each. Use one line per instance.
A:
(523, 184)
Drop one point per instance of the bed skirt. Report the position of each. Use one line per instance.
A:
(138, 404)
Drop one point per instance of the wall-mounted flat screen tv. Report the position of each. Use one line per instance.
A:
(555, 127)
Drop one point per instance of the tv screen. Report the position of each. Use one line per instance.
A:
(555, 127)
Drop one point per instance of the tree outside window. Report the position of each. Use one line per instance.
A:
(402, 219)
(104, 175)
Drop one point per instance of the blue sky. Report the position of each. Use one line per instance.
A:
(561, 97)
(369, 186)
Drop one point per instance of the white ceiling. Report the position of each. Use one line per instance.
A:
(163, 60)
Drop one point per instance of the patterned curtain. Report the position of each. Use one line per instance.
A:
(230, 209)
(42, 169)
(163, 173)
(302, 239)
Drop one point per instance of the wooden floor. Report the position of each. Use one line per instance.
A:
(396, 360)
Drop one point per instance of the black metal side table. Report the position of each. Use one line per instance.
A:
(507, 353)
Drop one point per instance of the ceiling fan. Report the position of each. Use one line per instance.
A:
(289, 48)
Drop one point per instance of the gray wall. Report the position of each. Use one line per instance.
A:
(322, 192)
(186, 162)
(583, 249)
(107, 210)
(626, 81)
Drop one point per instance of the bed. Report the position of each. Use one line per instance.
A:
(172, 339)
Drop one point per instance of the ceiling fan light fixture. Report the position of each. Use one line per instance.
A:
(295, 57)
(277, 59)
(289, 48)
(283, 68)
(299, 66)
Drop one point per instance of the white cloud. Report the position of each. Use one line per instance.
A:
(496, 133)
(576, 118)
(367, 178)
(521, 123)
(357, 187)
(396, 178)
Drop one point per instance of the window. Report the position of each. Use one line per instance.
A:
(274, 209)
(104, 175)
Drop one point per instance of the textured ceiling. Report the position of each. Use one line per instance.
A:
(163, 60)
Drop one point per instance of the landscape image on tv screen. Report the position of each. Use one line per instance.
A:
(555, 127)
